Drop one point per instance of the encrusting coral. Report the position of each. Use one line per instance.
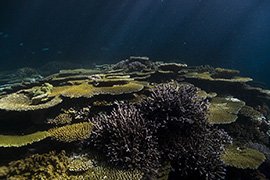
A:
(61, 119)
(45, 166)
(91, 166)
(80, 164)
(70, 133)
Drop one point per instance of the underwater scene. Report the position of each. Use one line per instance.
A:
(134, 90)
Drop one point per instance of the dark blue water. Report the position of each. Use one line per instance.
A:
(222, 33)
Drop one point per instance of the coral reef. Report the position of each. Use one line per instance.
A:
(21, 102)
(44, 166)
(61, 119)
(18, 141)
(172, 124)
(175, 67)
(134, 64)
(70, 133)
(125, 138)
(250, 126)
(207, 77)
(3, 171)
(81, 114)
(185, 136)
(84, 89)
(261, 148)
(104, 172)
(46, 88)
(224, 110)
(225, 73)
(26, 72)
(80, 164)
(243, 158)
(168, 132)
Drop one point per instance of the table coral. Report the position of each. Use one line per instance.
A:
(88, 90)
(225, 73)
(224, 110)
(243, 158)
(18, 141)
(70, 133)
(21, 102)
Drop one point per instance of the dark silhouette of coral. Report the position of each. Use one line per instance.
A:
(171, 124)
(185, 136)
(126, 139)
(135, 64)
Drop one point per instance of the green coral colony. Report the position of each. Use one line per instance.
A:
(136, 119)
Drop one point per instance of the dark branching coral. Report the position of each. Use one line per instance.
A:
(173, 104)
(185, 136)
(170, 124)
(126, 139)
(135, 64)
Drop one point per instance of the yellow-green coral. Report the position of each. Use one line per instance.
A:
(88, 90)
(3, 171)
(225, 73)
(21, 102)
(72, 132)
(61, 119)
(17, 141)
(207, 76)
(40, 95)
(103, 172)
(224, 110)
(80, 164)
(46, 88)
(93, 166)
(49, 166)
(243, 158)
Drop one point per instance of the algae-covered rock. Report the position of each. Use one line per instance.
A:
(18, 141)
(243, 158)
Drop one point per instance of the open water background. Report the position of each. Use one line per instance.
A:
(221, 33)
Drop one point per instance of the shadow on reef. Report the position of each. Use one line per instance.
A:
(136, 119)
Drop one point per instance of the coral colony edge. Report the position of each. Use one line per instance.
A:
(137, 119)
